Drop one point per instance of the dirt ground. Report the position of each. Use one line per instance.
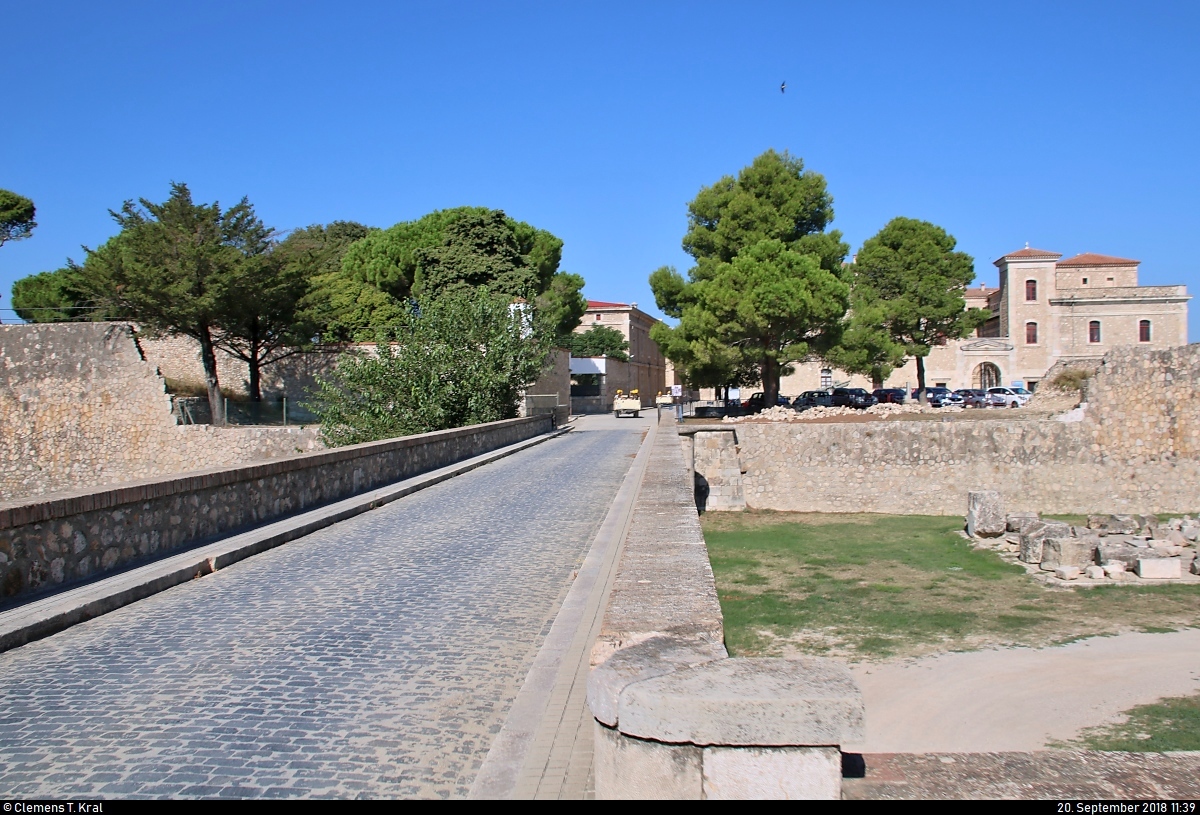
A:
(1020, 699)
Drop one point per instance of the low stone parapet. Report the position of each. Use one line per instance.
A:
(675, 716)
(68, 537)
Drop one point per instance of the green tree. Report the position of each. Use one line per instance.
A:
(52, 297)
(912, 273)
(479, 249)
(261, 320)
(865, 346)
(16, 217)
(175, 267)
(561, 306)
(386, 268)
(599, 341)
(455, 360)
(765, 290)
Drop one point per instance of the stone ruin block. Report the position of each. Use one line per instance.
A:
(985, 514)
(1035, 535)
(1122, 525)
(1020, 521)
(1122, 553)
(1067, 572)
(1080, 552)
(1159, 568)
(1095, 572)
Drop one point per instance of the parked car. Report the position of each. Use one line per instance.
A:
(851, 397)
(939, 397)
(895, 396)
(973, 397)
(754, 404)
(812, 399)
(1008, 397)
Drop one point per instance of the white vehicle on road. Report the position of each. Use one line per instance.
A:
(629, 405)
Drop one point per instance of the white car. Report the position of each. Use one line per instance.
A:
(1008, 397)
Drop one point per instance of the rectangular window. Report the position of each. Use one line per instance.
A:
(1031, 333)
(1144, 331)
(1094, 331)
(1030, 289)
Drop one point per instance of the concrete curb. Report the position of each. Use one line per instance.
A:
(49, 615)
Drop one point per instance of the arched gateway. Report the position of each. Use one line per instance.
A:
(987, 375)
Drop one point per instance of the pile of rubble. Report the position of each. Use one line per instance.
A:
(781, 413)
(1111, 547)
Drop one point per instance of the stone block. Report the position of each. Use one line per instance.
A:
(1114, 568)
(1094, 572)
(1035, 535)
(1096, 521)
(985, 514)
(1078, 552)
(1122, 553)
(801, 702)
(627, 768)
(1121, 525)
(1196, 566)
(1020, 521)
(1067, 572)
(1159, 568)
(1147, 523)
(1176, 538)
(773, 773)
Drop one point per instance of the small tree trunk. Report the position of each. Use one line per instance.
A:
(770, 377)
(208, 358)
(876, 380)
(254, 364)
(921, 395)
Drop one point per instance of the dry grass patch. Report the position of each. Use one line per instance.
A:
(875, 586)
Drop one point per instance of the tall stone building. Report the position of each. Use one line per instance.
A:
(1046, 310)
(646, 369)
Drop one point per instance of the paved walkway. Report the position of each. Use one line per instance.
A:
(377, 658)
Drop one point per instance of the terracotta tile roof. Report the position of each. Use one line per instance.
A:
(1030, 254)
(1092, 259)
(982, 291)
(603, 304)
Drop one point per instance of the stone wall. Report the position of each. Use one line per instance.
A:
(80, 407)
(178, 359)
(71, 537)
(1144, 406)
(1137, 449)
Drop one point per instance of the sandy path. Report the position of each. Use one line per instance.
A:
(1019, 698)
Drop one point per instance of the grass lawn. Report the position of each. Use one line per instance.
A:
(875, 586)
(1169, 724)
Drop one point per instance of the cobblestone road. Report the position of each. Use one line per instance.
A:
(376, 658)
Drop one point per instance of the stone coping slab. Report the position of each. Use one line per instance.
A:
(805, 701)
(49, 615)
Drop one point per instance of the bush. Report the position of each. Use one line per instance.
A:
(456, 360)
(1072, 379)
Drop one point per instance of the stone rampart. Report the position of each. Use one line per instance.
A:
(1136, 449)
(80, 407)
(675, 716)
(68, 537)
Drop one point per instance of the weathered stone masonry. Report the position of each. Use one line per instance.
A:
(69, 537)
(80, 407)
(1136, 450)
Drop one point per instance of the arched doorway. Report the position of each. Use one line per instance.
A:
(987, 375)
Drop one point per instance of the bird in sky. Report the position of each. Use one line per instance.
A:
(783, 86)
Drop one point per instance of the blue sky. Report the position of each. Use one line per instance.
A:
(1073, 126)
